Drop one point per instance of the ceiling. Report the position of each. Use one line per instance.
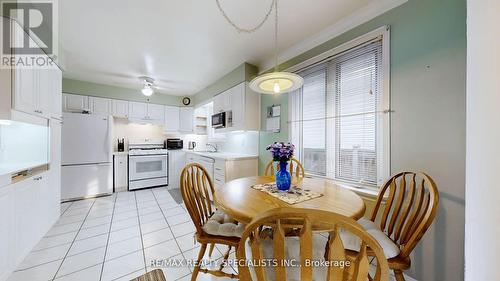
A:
(187, 45)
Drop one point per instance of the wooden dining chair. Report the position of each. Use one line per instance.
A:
(154, 275)
(212, 225)
(280, 220)
(295, 167)
(411, 203)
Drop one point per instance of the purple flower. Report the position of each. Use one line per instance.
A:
(281, 151)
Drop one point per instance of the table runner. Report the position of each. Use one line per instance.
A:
(293, 196)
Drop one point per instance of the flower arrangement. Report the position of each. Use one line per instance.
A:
(281, 151)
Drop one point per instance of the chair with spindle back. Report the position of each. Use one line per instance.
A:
(405, 214)
(295, 167)
(282, 249)
(212, 226)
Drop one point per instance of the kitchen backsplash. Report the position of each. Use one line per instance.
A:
(123, 129)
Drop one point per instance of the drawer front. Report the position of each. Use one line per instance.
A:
(219, 180)
(220, 167)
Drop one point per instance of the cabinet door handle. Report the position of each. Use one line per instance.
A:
(37, 178)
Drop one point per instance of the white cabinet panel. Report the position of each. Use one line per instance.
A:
(7, 235)
(24, 94)
(156, 113)
(43, 91)
(121, 174)
(137, 110)
(75, 103)
(100, 106)
(56, 93)
(172, 118)
(238, 107)
(186, 119)
(176, 162)
(120, 108)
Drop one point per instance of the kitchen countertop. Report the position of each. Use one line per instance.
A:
(223, 155)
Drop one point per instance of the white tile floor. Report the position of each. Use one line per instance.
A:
(115, 238)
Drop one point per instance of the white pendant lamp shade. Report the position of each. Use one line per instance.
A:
(276, 83)
(147, 91)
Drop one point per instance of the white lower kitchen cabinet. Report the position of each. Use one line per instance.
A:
(222, 167)
(27, 212)
(120, 168)
(176, 162)
(230, 169)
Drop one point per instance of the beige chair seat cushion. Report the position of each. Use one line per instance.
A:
(292, 253)
(353, 243)
(221, 224)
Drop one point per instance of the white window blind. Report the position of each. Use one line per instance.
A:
(336, 118)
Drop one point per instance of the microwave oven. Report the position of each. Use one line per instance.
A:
(222, 120)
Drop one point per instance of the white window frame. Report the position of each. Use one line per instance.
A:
(384, 124)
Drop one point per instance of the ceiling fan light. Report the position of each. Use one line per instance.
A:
(147, 91)
(276, 82)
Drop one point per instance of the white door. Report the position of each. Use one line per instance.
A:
(147, 166)
(156, 113)
(86, 180)
(75, 103)
(100, 106)
(172, 118)
(56, 93)
(218, 103)
(186, 119)
(137, 110)
(176, 162)
(120, 108)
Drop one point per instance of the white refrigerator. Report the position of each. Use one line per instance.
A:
(87, 168)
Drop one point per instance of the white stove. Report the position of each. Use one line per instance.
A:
(148, 164)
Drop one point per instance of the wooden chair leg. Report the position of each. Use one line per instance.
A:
(399, 275)
(198, 262)
(224, 259)
(211, 249)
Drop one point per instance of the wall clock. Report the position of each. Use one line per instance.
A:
(186, 101)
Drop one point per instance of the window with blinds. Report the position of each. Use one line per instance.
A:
(337, 117)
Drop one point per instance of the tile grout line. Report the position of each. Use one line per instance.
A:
(74, 239)
(109, 235)
(140, 233)
(175, 239)
(65, 210)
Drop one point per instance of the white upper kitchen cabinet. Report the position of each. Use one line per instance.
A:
(120, 108)
(75, 103)
(172, 118)
(137, 110)
(244, 105)
(156, 113)
(100, 106)
(186, 119)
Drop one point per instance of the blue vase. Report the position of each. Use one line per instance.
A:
(283, 178)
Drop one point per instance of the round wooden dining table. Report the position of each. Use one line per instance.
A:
(238, 199)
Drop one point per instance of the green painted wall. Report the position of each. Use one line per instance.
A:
(428, 74)
(267, 138)
(105, 91)
(244, 72)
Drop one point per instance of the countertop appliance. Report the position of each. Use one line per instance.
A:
(148, 164)
(222, 120)
(121, 145)
(191, 145)
(174, 144)
(87, 169)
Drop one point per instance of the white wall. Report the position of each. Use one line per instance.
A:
(482, 209)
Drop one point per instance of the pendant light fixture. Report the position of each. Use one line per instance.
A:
(275, 82)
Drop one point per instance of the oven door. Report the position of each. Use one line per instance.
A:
(147, 166)
(219, 120)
